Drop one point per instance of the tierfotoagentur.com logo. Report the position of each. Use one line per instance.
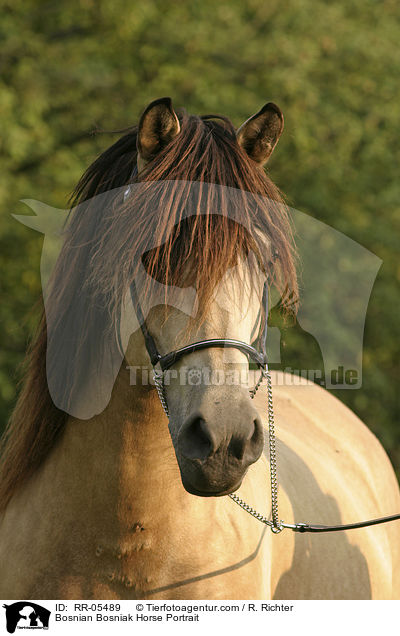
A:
(245, 377)
(26, 615)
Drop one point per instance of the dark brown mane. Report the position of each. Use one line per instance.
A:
(103, 241)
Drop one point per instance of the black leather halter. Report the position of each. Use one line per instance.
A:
(166, 361)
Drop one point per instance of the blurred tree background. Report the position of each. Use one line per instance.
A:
(333, 67)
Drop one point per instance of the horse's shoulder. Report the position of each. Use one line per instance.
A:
(311, 406)
(333, 470)
(312, 424)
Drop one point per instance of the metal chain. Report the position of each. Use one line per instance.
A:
(158, 377)
(259, 382)
(275, 524)
(251, 511)
(277, 527)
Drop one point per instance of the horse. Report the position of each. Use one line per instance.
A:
(118, 502)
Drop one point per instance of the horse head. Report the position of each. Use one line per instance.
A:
(215, 429)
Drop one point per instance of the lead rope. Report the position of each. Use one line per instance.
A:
(275, 525)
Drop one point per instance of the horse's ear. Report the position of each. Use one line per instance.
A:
(157, 127)
(259, 135)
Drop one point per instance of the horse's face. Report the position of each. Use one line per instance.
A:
(215, 429)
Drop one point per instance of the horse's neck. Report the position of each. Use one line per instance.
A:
(108, 505)
(111, 470)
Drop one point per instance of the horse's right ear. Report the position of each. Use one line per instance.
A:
(157, 127)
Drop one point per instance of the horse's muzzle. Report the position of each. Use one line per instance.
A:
(214, 455)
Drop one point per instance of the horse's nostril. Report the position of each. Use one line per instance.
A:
(247, 442)
(196, 440)
(200, 440)
(257, 436)
(237, 447)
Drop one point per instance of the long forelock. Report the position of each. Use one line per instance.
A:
(205, 152)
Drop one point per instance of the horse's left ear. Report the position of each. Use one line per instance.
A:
(259, 135)
(157, 127)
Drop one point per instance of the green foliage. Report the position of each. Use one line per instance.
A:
(69, 67)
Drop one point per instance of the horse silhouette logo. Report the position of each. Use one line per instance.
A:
(26, 615)
(337, 275)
